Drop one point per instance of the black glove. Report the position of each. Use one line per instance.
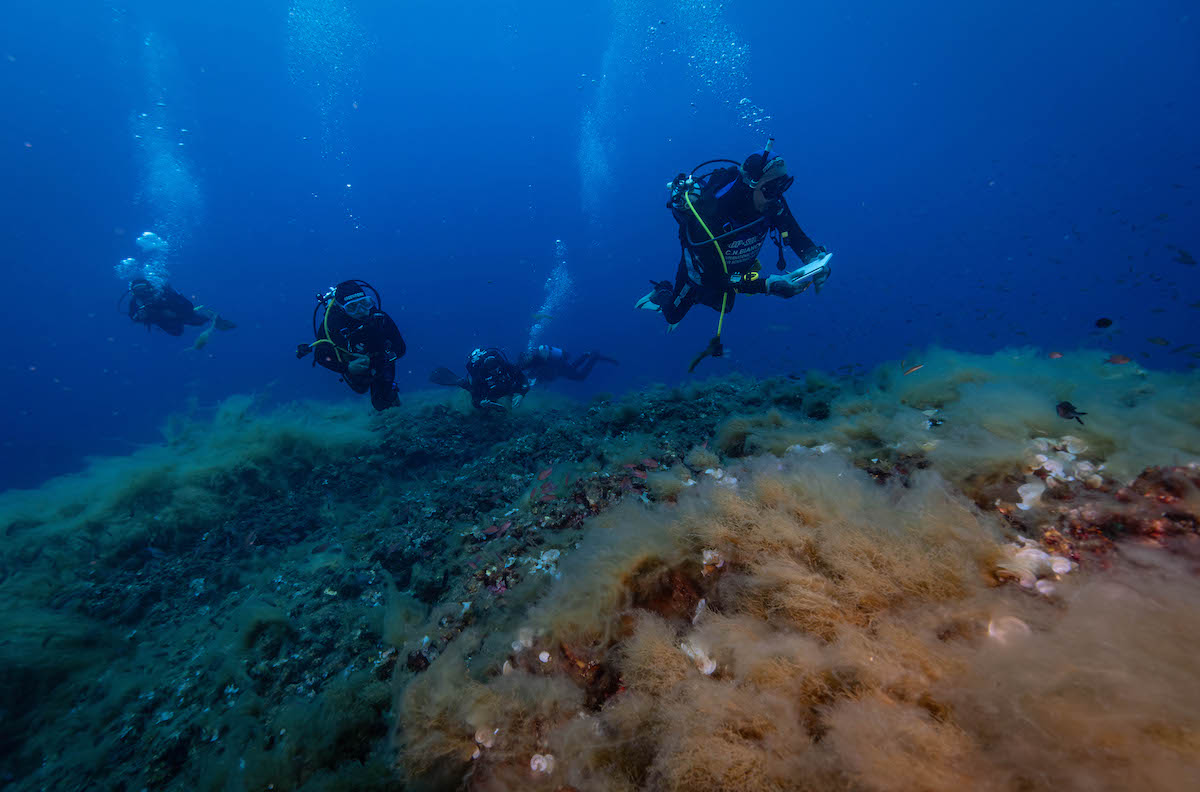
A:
(302, 350)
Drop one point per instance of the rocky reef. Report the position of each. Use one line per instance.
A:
(872, 582)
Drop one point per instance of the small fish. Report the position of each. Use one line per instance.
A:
(1159, 341)
(640, 474)
(545, 474)
(1118, 360)
(546, 498)
(1103, 322)
(1054, 355)
(1182, 348)
(917, 367)
(1067, 410)
(540, 317)
(650, 463)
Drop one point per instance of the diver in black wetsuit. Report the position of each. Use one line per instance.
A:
(547, 363)
(167, 309)
(356, 339)
(490, 377)
(724, 218)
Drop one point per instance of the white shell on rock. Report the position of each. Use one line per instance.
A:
(1054, 467)
(700, 657)
(1007, 629)
(1036, 561)
(1030, 493)
(542, 763)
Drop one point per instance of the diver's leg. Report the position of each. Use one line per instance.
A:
(579, 370)
(715, 298)
(676, 305)
(383, 389)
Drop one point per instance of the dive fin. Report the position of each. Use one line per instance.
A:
(714, 348)
(647, 304)
(444, 376)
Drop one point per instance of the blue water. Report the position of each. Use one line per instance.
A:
(987, 175)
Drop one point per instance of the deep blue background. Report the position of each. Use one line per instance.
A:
(987, 174)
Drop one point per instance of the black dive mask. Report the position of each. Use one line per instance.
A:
(774, 189)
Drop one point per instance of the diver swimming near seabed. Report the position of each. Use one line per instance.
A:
(547, 363)
(170, 311)
(358, 340)
(724, 217)
(490, 378)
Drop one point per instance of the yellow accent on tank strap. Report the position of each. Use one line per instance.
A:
(328, 339)
(724, 294)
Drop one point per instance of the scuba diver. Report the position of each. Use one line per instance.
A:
(547, 363)
(168, 310)
(356, 339)
(724, 217)
(490, 377)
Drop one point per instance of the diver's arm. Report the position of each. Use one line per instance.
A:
(392, 334)
(792, 235)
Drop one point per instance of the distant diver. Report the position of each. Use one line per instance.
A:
(490, 378)
(168, 310)
(356, 339)
(724, 217)
(547, 363)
